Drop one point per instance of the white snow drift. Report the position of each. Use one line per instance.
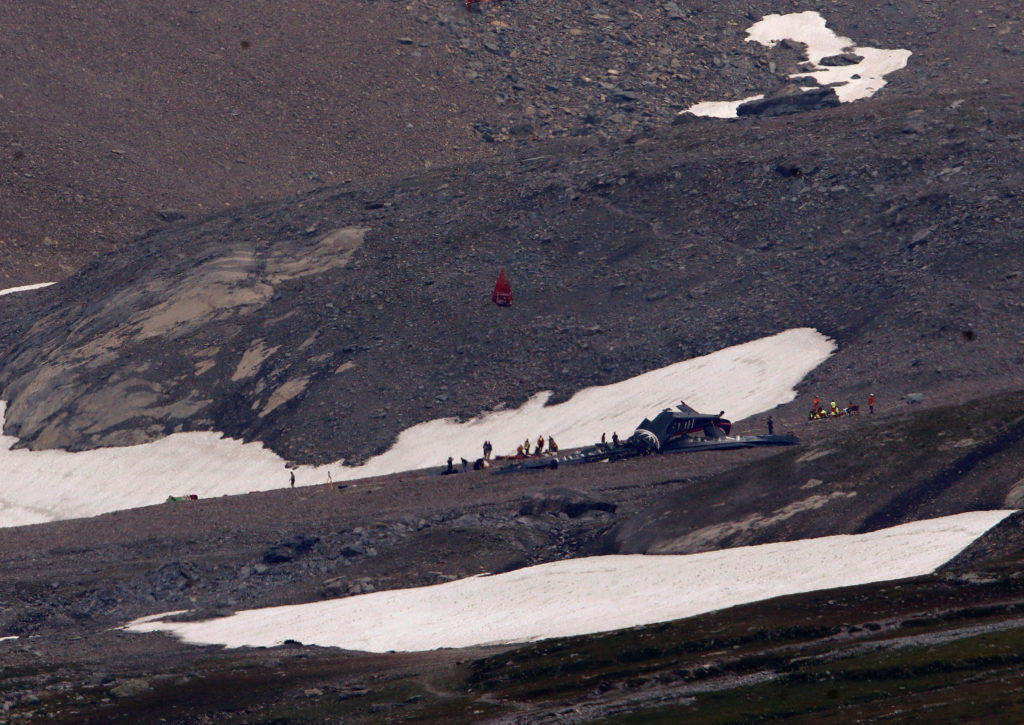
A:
(37, 486)
(24, 288)
(582, 596)
(741, 380)
(851, 82)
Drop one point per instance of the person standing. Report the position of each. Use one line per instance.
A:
(771, 425)
(487, 450)
(615, 439)
(871, 403)
(293, 479)
(526, 446)
(540, 445)
(817, 403)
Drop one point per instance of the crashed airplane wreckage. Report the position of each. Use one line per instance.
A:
(671, 431)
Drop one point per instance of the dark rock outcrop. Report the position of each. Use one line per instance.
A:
(563, 501)
(786, 104)
(289, 549)
(841, 59)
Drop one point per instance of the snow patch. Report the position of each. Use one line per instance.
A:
(851, 82)
(720, 109)
(25, 288)
(742, 380)
(39, 486)
(596, 594)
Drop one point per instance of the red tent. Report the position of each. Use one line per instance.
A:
(502, 294)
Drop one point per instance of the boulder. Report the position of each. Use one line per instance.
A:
(841, 59)
(289, 548)
(566, 501)
(131, 688)
(358, 548)
(785, 104)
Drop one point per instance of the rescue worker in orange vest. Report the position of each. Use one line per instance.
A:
(519, 452)
(817, 403)
(552, 446)
(871, 403)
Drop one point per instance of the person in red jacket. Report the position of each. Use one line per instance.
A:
(871, 403)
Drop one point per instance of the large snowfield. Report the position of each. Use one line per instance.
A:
(743, 380)
(596, 594)
(853, 82)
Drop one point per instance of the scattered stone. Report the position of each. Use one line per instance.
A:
(361, 586)
(351, 693)
(468, 521)
(350, 551)
(170, 215)
(674, 11)
(335, 587)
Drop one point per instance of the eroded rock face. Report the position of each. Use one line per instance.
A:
(125, 371)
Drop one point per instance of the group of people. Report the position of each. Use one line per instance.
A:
(478, 464)
(615, 439)
(818, 411)
(523, 449)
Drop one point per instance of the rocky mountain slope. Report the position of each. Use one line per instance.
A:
(120, 118)
(68, 585)
(325, 324)
(285, 223)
